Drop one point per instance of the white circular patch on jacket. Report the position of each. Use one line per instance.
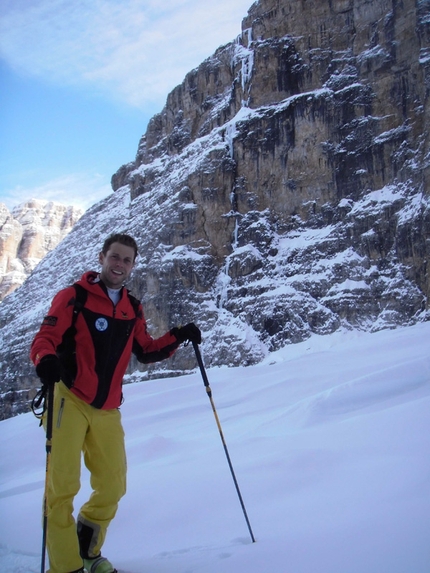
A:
(101, 324)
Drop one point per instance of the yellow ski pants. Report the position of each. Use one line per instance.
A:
(98, 434)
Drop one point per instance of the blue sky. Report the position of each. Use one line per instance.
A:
(79, 81)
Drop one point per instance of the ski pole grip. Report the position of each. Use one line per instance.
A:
(200, 363)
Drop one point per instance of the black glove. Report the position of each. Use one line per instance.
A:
(49, 369)
(188, 332)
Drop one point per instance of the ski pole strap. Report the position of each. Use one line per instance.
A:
(40, 400)
(38, 404)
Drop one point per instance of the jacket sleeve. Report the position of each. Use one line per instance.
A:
(147, 349)
(54, 325)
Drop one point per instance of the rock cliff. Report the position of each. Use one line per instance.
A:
(282, 191)
(27, 234)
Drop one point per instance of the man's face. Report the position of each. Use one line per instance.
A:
(117, 265)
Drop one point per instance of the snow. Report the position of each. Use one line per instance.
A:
(412, 210)
(329, 440)
(303, 239)
(245, 55)
(348, 285)
(425, 52)
(375, 201)
(182, 252)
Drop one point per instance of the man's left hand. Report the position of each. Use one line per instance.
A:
(189, 332)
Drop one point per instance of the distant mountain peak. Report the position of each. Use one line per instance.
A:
(27, 234)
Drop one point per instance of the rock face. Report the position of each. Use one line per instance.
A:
(283, 191)
(27, 235)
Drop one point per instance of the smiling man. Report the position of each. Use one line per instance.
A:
(117, 262)
(85, 344)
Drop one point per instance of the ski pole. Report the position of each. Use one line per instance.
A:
(209, 393)
(49, 417)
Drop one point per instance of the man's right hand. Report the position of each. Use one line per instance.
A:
(49, 369)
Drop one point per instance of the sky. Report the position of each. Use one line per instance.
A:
(80, 80)
(329, 443)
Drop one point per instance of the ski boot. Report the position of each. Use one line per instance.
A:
(99, 565)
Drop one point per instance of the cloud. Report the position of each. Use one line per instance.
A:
(136, 50)
(78, 189)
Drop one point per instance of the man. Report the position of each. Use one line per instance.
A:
(86, 348)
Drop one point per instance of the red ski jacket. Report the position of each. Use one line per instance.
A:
(105, 337)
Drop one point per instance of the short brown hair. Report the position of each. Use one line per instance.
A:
(122, 239)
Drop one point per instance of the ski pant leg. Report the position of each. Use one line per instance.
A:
(68, 435)
(104, 455)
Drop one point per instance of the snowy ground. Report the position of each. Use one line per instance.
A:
(330, 442)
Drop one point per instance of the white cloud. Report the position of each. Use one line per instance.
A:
(136, 50)
(79, 189)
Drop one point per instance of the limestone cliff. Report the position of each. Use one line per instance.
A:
(27, 234)
(296, 155)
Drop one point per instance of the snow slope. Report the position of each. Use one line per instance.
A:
(330, 442)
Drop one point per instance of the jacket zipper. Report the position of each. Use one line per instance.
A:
(109, 345)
